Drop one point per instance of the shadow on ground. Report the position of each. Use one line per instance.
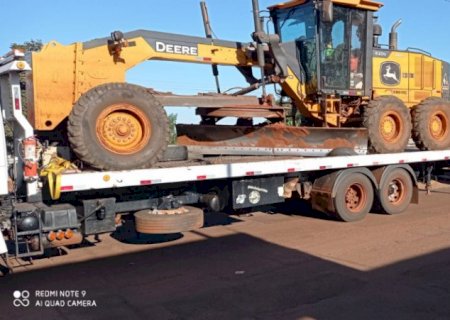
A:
(237, 277)
(127, 231)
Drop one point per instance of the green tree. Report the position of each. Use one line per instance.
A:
(32, 45)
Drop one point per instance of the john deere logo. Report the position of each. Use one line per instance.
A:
(390, 73)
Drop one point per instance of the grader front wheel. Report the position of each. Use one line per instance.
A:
(123, 129)
(431, 124)
(118, 126)
(388, 123)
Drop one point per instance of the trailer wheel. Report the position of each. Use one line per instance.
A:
(388, 122)
(354, 197)
(169, 221)
(397, 191)
(431, 124)
(118, 126)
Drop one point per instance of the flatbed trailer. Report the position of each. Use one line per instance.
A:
(65, 203)
(221, 168)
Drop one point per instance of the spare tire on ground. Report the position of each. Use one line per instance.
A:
(169, 221)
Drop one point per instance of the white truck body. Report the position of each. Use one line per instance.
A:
(3, 159)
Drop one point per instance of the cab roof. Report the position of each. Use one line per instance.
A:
(359, 4)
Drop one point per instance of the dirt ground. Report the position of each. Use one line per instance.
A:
(288, 263)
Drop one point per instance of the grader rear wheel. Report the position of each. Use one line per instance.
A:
(388, 123)
(118, 126)
(431, 124)
(123, 129)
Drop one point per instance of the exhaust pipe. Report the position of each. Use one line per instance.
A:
(393, 36)
(257, 35)
(208, 33)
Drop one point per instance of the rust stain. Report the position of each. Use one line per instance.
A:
(270, 136)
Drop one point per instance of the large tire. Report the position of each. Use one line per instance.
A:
(431, 124)
(354, 197)
(396, 192)
(388, 122)
(190, 218)
(118, 126)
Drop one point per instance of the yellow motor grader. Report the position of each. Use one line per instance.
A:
(324, 55)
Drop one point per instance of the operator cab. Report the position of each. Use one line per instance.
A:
(328, 43)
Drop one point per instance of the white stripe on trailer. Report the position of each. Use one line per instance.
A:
(117, 179)
(3, 159)
(3, 247)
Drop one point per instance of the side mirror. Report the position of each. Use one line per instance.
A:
(327, 10)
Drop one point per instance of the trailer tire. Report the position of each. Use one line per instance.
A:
(354, 197)
(431, 124)
(388, 123)
(160, 223)
(396, 192)
(118, 126)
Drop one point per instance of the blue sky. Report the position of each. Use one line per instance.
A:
(425, 25)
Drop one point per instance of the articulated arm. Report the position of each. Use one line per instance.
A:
(61, 74)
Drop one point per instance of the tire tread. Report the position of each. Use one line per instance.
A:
(76, 134)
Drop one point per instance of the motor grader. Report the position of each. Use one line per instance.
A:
(324, 56)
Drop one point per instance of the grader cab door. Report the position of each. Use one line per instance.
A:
(343, 50)
(297, 28)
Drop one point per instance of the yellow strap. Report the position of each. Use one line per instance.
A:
(53, 173)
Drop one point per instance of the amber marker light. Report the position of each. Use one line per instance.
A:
(51, 236)
(68, 234)
(60, 235)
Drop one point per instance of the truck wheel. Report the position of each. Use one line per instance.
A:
(354, 197)
(431, 126)
(388, 123)
(118, 126)
(169, 221)
(396, 193)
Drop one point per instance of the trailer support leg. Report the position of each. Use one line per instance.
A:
(429, 170)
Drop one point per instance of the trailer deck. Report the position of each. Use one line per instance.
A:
(235, 167)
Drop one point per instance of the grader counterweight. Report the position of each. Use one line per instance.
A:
(324, 55)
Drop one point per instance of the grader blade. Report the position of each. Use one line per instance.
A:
(275, 139)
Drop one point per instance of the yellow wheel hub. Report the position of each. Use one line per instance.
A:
(438, 125)
(391, 126)
(123, 129)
